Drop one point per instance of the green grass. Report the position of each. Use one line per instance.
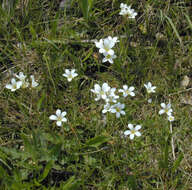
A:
(87, 151)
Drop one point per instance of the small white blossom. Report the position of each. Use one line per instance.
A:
(108, 58)
(127, 91)
(166, 109)
(101, 92)
(118, 109)
(150, 88)
(126, 10)
(70, 74)
(107, 108)
(149, 100)
(33, 82)
(59, 117)
(105, 45)
(133, 131)
(111, 96)
(14, 85)
(170, 118)
(22, 78)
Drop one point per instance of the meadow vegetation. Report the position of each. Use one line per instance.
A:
(54, 133)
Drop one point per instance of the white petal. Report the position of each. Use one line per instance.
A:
(131, 88)
(64, 120)
(13, 80)
(58, 112)
(110, 52)
(130, 126)
(132, 136)
(19, 84)
(65, 75)
(117, 114)
(132, 94)
(161, 112)
(127, 132)
(59, 123)
(67, 71)
(137, 127)
(163, 105)
(125, 87)
(63, 114)
(53, 117)
(138, 134)
(122, 112)
(97, 88)
(169, 106)
(8, 86)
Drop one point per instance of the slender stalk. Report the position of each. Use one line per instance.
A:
(172, 141)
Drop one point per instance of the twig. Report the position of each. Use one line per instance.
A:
(181, 91)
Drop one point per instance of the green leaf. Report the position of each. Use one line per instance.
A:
(174, 29)
(97, 141)
(71, 184)
(177, 162)
(86, 6)
(46, 171)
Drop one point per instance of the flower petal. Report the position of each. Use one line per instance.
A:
(138, 133)
(137, 127)
(59, 123)
(53, 117)
(132, 136)
(130, 126)
(58, 112)
(127, 132)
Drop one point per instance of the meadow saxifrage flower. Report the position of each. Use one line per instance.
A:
(108, 58)
(166, 109)
(70, 74)
(171, 118)
(111, 96)
(14, 85)
(107, 108)
(22, 78)
(118, 109)
(59, 117)
(33, 82)
(101, 91)
(150, 88)
(127, 11)
(127, 91)
(133, 131)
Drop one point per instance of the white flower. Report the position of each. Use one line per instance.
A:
(22, 78)
(133, 131)
(149, 100)
(108, 57)
(127, 91)
(126, 10)
(150, 88)
(59, 117)
(114, 39)
(171, 118)
(118, 109)
(111, 96)
(106, 45)
(166, 109)
(14, 85)
(101, 92)
(107, 108)
(33, 82)
(70, 74)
